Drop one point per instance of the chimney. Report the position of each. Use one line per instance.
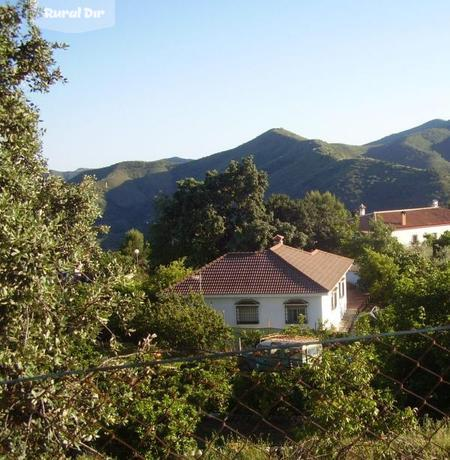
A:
(435, 204)
(403, 218)
(362, 210)
(278, 239)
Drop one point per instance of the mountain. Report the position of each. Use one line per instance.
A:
(402, 170)
(426, 146)
(116, 174)
(67, 175)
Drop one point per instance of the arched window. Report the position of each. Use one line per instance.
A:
(247, 312)
(294, 308)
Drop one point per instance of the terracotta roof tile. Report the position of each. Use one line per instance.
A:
(323, 267)
(415, 218)
(273, 271)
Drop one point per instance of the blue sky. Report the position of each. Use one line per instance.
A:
(193, 77)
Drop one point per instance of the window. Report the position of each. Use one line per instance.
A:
(334, 298)
(293, 310)
(247, 312)
(342, 288)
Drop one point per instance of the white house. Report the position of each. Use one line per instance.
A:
(410, 226)
(272, 288)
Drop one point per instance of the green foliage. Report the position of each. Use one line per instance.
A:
(261, 391)
(342, 398)
(57, 288)
(337, 392)
(414, 293)
(135, 252)
(134, 240)
(319, 220)
(165, 276)
(162, 412)
(422, 299)
(440, 246)
(203, 220)
(287, 216)
(325, 220)
(226, 212)
(425, 146)
(60, 294)
(250, 337)
(379, 238)
(183, 323)
(406, 444)
(378, 274)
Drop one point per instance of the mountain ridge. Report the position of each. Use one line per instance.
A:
(405, 169)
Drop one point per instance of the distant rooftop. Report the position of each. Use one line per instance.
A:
(409, 218)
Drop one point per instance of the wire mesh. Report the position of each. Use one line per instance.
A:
(373, 396)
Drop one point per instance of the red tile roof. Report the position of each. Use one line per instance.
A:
(279, 270)
(415, 218)
(323, 267)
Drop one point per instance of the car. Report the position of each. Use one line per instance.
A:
(279, 351)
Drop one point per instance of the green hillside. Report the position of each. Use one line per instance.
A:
(116, 174)
(68, 175)
(402, 170)
(426, 146)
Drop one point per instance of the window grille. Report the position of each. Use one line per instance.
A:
(247, 312)
(295, 308)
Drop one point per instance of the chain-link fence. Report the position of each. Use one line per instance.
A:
(372, 396)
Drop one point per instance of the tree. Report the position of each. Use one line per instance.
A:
(414, 292)
(183, 323)
(420, 297)
(58, 288)
(166, 276)
(337, 394)
(204, 219)
(343, 398)
(134, 240)
(162, 414)
(378, 274)
(326, 221)
(319, 220)
(379, 238)
(439, 245)
(135, 251)
(286, 214)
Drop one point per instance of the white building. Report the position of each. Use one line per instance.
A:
(272, 288)
(410, 226)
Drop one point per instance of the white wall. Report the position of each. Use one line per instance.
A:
(404, 236)
(332, 317)
(272, 309)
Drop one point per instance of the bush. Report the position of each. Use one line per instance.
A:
(184, 323)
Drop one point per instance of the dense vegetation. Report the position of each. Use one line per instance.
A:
(67, 304)
(226, 213)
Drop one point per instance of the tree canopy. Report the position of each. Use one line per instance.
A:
(226, 212)
(57, 287)
(204, 219)
(319, 220)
